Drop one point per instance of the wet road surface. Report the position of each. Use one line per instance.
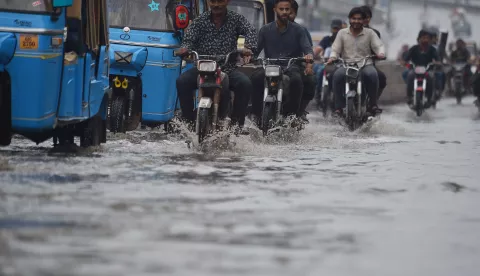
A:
(398, 199)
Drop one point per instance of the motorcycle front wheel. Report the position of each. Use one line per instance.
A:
(203, 122)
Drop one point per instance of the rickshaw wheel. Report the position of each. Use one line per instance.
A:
(92, 133)
(117, 115)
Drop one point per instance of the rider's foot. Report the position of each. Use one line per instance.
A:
(374, 110)
(338, 113)
(303, 117)
(428, 104)
(240, 130)
(410, 101)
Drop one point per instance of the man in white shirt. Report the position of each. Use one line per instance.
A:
(354, 43)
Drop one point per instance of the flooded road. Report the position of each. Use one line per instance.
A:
(399, 199)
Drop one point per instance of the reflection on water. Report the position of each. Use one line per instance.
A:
(322, 201)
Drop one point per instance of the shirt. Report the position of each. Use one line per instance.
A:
(351, 47)
(289, 43)
(307, 33)
(375, 30)
(326, 42)
(460, 55)
(203, 36)
(420, 57)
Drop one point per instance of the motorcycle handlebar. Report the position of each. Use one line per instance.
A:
(214, 57)
(290, 60)
(365, 59)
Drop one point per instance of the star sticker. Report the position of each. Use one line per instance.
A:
(154, 6)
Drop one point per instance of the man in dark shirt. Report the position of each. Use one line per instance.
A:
(309, 82)
(283, 39)
(382, 78)
(462, 55)
(216, 32)
(421, 55)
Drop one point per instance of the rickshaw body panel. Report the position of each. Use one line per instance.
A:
(47, 91)
(35, 73)
(159, 74)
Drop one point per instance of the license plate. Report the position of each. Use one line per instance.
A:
(29, 42)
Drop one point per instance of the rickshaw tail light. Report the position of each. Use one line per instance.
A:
(57, 42)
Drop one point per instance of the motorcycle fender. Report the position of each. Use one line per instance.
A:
(205, 103)
(269, 99)
(351, 94)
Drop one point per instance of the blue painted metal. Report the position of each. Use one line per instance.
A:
(62, 3)
(44, 91)
(158, 70)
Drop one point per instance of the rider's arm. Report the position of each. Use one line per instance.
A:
(191, 36)
(305, 44)
(322, 45)
(261, 41)
(376, 44)
(435, 55)
(249, 32)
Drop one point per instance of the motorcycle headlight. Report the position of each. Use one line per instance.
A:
(420, 70)
(207, 66)
(272, 71)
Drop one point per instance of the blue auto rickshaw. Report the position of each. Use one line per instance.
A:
(53, 70)
(143, 69)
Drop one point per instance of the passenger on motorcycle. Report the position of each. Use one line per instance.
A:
(283, 39)
(400, 59)
(382, 78)
(309, 81)
(440, 76)
(421, 55)
(462, 55)
(353, 43)
(324, 48)
(215, 32)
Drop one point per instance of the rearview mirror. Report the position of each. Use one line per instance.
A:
(181, 17)
(62, 3)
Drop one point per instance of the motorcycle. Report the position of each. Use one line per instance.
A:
(209, 91)
(459, 75)
(326, 97)
(420, 87)
(273, 91)
(356, 104)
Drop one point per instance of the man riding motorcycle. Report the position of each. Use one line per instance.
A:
(382, 78)
(215, 33)
(309, 82)
(421, 55)
(462, 55)
(352, 43)
(283, 39)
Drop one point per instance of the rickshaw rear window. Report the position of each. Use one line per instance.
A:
(252, 10)
(142, 14)
(26, 5)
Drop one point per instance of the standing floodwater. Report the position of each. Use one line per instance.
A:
(399, 199)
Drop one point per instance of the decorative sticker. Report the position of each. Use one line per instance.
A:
(36, 3)
(154, 6)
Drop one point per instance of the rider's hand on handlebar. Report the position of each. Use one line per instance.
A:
(381, 56)
(330, 61)
(308, 58)
(247, 55)
(181, 52)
